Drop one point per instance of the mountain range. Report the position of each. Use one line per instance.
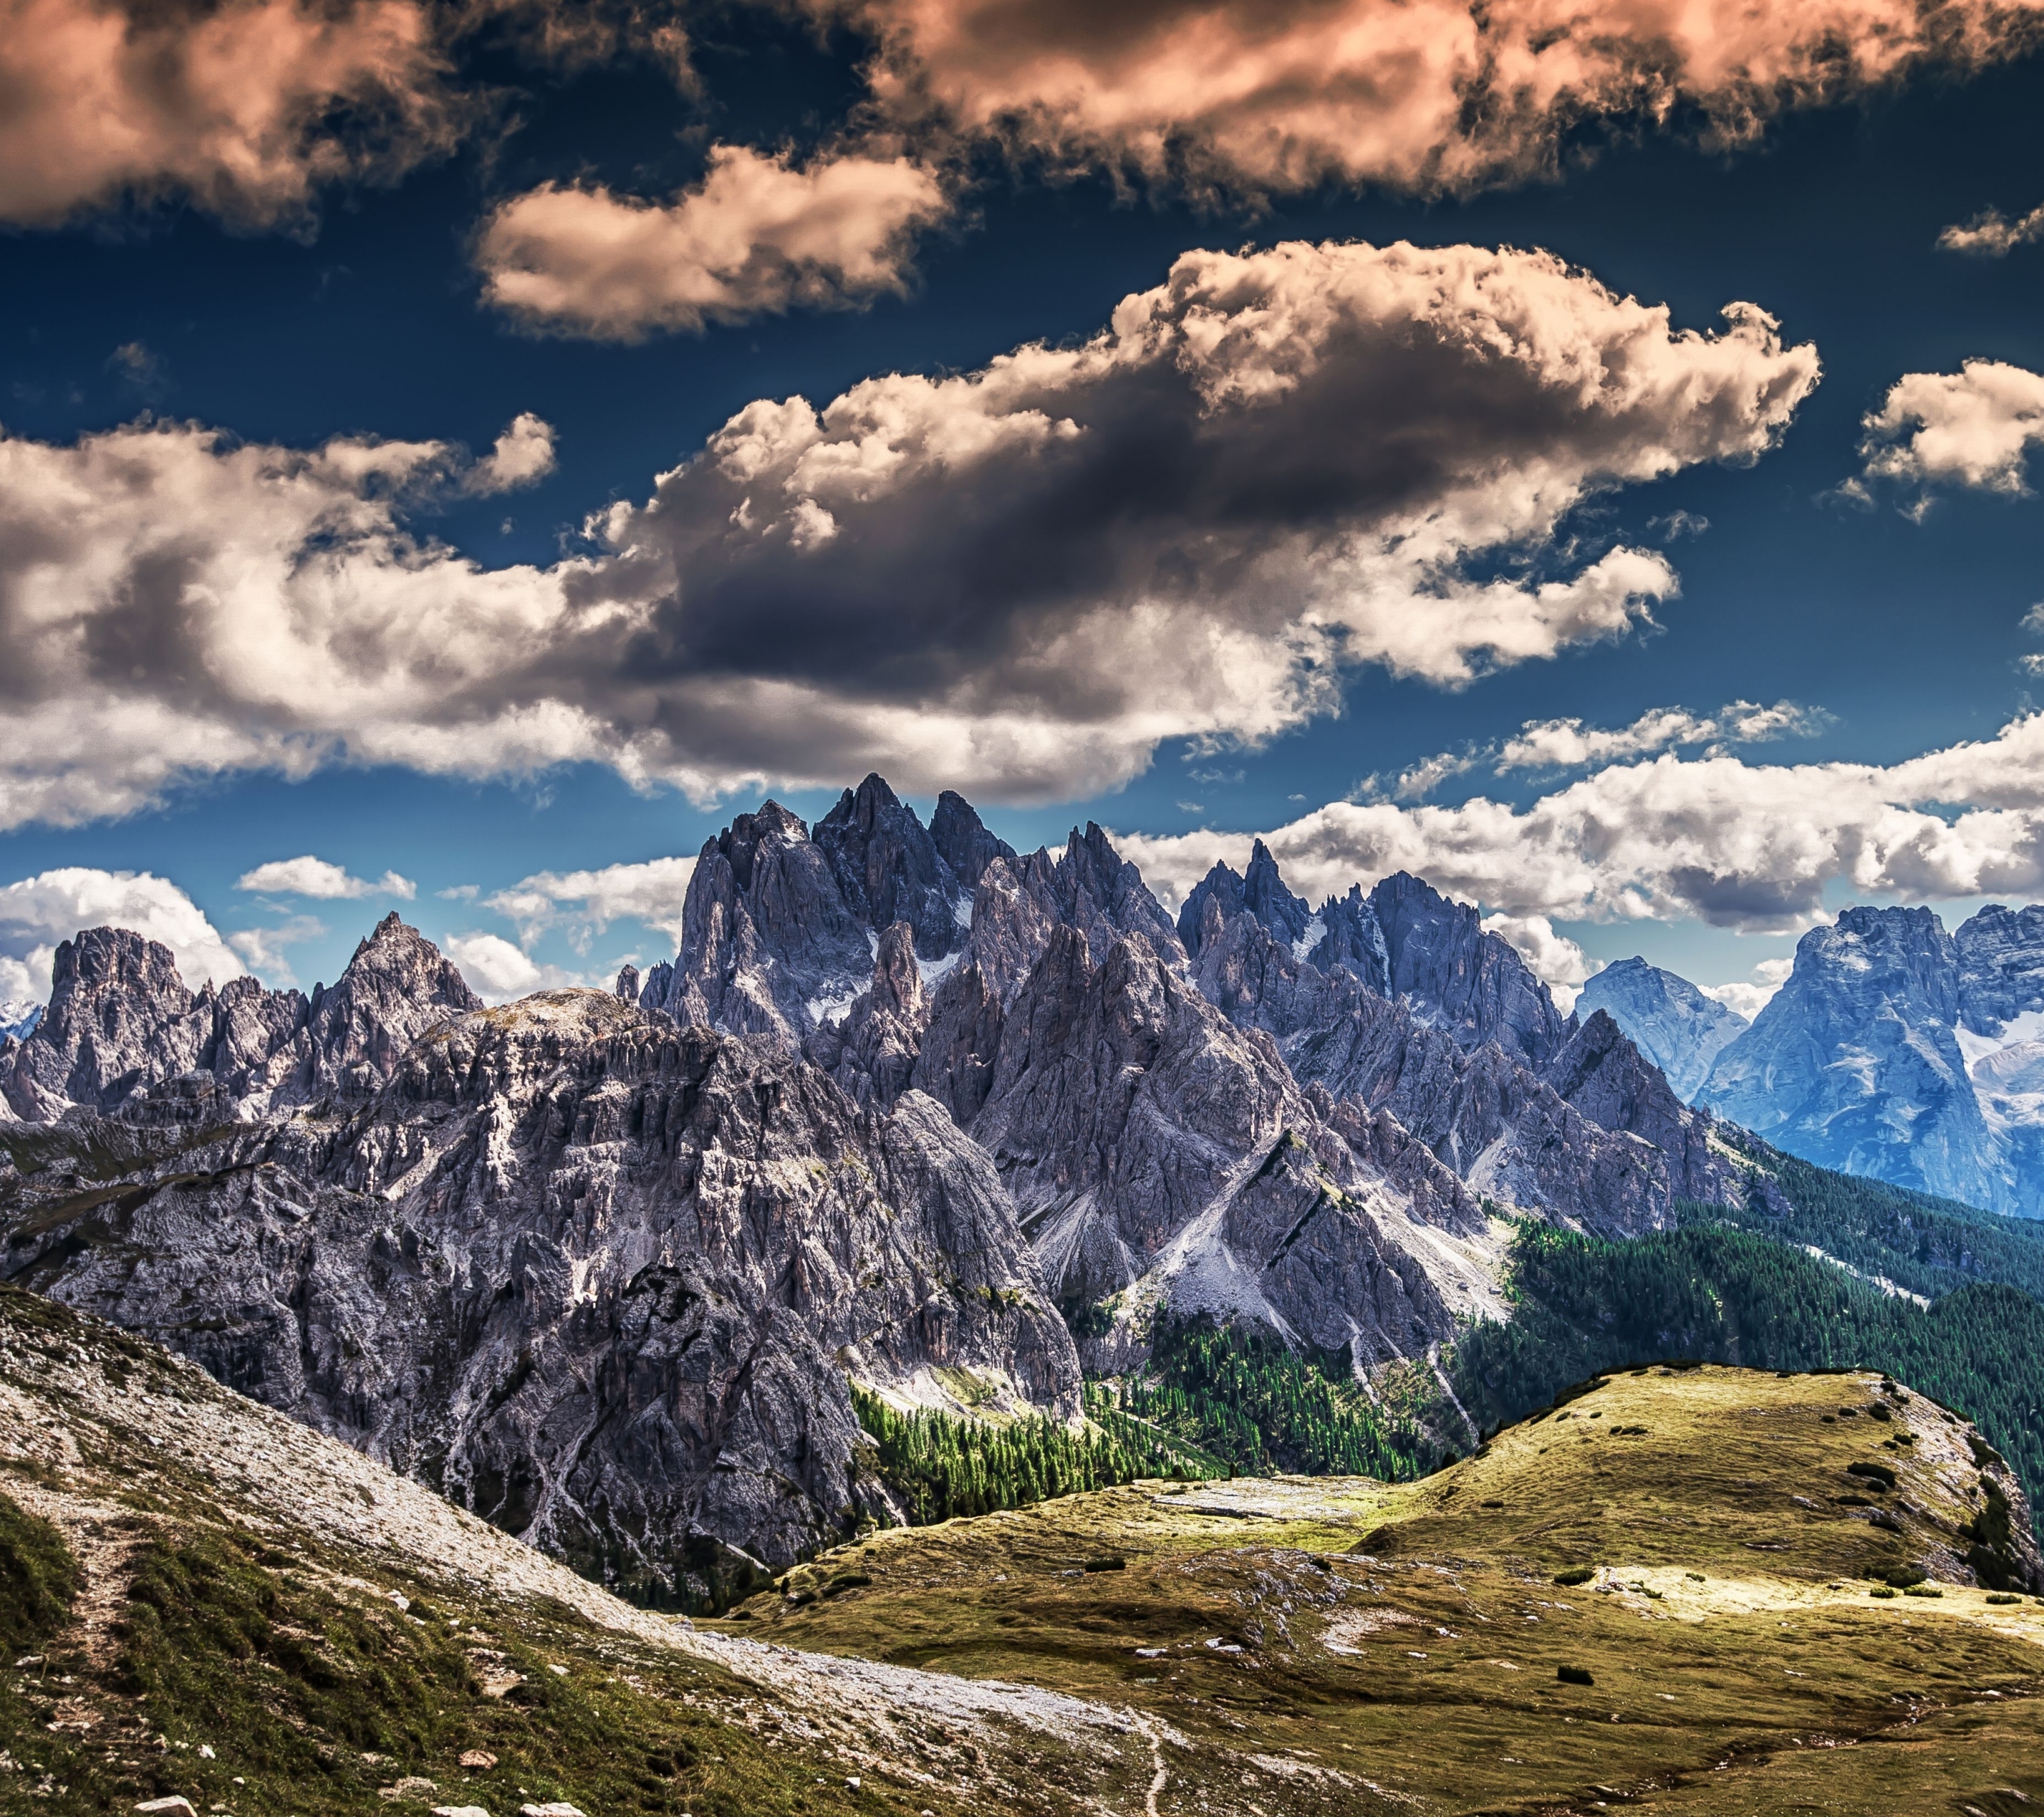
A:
(908, 1112)
(1895, 1050)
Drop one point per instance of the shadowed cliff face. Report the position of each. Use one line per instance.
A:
(597, 1278)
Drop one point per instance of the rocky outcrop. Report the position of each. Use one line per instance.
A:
(119, 1016)
(769, 946)
(1672, 1023)
(599, 1278)
(1601, 1073)
(1999, 953)
(1495, 1123)
(964, 842)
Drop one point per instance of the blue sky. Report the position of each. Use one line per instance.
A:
(357, 307)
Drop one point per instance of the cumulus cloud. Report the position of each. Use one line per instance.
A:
(1015, 580)
(1749, 997)
(1559, 744)
(1992, 235)
(265, 949)
(498, 971)
(586, 902)
(756, 236)
(524, 455)
(1428, 95)
(314, 876)
(1739, 845)
(1971, 428)
(247, 107)
(39, 911)
(1555, 959)
(21, 989)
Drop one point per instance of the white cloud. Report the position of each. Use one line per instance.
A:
(1971, 428)
(1560, 744)
(315, 876)
(265, 949)
(22, 986)
(1553, 958)
(1991, 236)
(1569, 744)
(246, 108)
(498, 971)
(1123, 517)
(1423, 777)
(587, 901)
(1748, 997)
(524, 455)
(1426, 95)
(1715, 837)
(39, 911)
(754, 237)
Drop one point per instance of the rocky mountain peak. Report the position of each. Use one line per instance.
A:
(397, 986)
(888, 868)
(964, 842)
(119, 1014)
(1265, 896)
(1471, 983)
(771, 828)
(2000, 953)
(1210, 904)
(1880, 988)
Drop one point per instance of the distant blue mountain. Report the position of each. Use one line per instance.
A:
(1903, 1053)
(1665, 1017)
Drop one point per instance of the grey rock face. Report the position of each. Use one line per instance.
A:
(888, 869)
(964, 842)
(769, 946)
(397, 986)
(1498, 1125)
(1601, 1073)
(626, 989)
(1470, 984)
(1853, 1063)
(1157, 1153)
(2000, 954)
(119, 1016)
(1670, 1021)
(598, 1278)
(122, 1030)
(872, 1054)
(1093, 889)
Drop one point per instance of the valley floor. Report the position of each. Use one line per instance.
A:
(201, 1600)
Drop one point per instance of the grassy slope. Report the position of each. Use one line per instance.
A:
(188, 1571)
(1407, 1637)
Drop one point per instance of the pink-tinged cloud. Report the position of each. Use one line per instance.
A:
(1281, 95)
(247, 107)
(756, 236)
(1972, 428)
